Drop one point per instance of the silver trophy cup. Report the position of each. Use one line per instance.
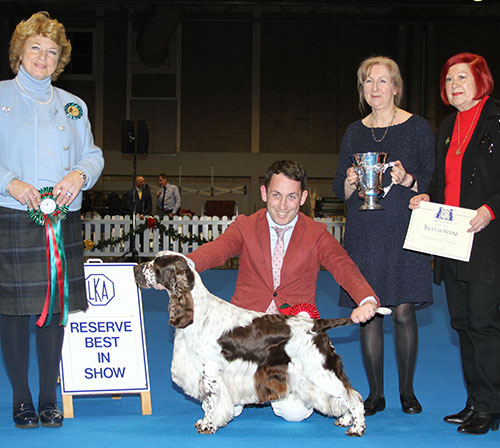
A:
(370, 166)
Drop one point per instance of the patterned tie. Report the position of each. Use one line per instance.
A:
(278, 254)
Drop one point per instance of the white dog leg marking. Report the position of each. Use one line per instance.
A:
(217, 404)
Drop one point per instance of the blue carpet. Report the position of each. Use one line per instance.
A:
(101, 421)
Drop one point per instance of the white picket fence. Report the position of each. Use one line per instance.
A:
(151, 242)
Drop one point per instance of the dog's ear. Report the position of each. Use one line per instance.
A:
(173, 272)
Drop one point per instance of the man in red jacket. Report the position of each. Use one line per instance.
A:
(307, 246)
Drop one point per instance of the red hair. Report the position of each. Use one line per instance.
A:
(479, 69)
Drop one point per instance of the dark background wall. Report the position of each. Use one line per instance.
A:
(228, 87)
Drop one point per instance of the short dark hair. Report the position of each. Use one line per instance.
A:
(290, 169)
(479, 69)
(162, 175)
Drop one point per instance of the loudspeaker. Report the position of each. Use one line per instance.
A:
(128, 136)
(142, 137)
(135, 136)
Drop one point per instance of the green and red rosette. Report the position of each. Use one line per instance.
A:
(50, 215)
(301, 309)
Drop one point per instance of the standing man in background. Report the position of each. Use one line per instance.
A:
(143, 203)
(169, 199)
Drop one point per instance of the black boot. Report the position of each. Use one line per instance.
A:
(460, 417)
(374, 405)
(480, 423)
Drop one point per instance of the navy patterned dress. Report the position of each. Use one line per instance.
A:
(374, 238)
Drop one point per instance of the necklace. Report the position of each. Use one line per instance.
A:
(386, 129)
(459, 149)
(37, 101)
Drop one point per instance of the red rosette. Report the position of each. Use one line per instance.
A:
(301, 309)
(151, 223)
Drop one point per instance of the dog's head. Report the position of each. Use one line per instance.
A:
(171, 271)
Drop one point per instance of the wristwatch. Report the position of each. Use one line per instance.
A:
(82, 175)
(413, 182)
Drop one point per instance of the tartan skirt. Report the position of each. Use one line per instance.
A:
(23, 264)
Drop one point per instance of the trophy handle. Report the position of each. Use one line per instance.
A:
(388, 188)
(361, 184)
(388, 165)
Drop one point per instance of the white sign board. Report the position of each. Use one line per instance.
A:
(104, 347)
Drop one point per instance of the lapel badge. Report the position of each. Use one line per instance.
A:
(73, 110)
(447, 141)
(6, 109)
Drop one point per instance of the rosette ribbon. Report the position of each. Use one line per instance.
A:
(50, 215)
(301, 309)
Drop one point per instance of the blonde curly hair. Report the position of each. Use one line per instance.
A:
(39, 23)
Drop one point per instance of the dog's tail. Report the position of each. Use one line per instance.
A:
(326, 324)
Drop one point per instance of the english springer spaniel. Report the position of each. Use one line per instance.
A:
(226, 356)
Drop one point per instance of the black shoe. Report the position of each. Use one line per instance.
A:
(460, 417)
(410, 404)
(50, 415)
(25, 416)
(374, 405)
(480, 423)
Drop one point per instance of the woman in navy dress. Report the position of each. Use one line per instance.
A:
(374, 238)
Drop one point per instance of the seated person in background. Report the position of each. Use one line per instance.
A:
(280, 254)
(142, 196)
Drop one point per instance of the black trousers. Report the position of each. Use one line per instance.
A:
(474, 309)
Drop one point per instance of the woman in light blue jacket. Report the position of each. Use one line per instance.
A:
(47, 157)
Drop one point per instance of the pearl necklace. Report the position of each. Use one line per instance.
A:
(386, 129)
(37, 101)
(459, 149)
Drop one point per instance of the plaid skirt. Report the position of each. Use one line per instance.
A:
(23, 264)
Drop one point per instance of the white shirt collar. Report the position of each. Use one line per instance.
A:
(273, 224)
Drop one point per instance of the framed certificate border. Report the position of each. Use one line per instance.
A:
(439, 229)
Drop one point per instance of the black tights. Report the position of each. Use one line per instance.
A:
(406, 339)
(15, 338)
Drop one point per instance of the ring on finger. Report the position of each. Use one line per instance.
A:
(69, 194)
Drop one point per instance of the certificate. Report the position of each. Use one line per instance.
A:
(439, 229)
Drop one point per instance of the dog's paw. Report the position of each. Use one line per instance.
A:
(344, 421)
(204, 427)
(356, 431)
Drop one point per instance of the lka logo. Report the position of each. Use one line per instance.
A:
(100, 289)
